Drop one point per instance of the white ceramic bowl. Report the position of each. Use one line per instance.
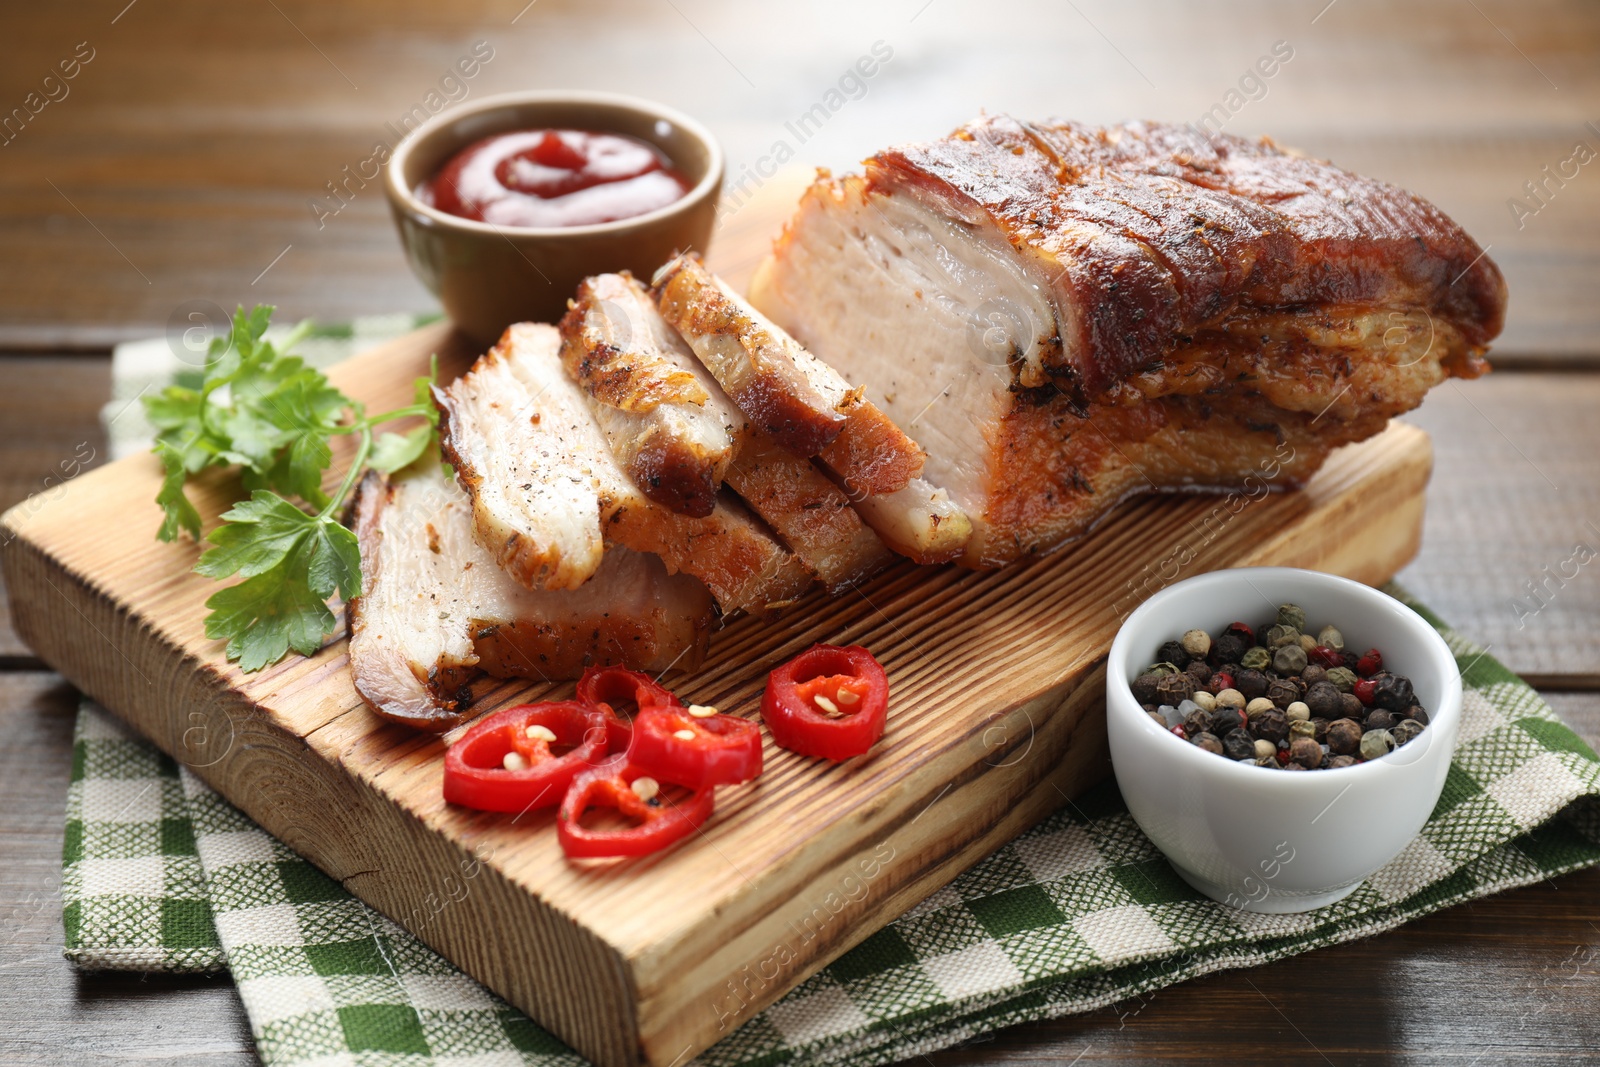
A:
(1264, 839)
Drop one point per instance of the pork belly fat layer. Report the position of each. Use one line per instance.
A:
(731, 552)
(435, 609)
(520, 438)
(669, 423)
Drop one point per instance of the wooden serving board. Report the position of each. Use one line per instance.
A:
(997, 683)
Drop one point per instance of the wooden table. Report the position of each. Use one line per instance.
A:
(182, 163)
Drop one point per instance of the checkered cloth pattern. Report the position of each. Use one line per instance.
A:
(1079, 914)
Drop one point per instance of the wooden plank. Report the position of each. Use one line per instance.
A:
(49, 1012)
(178, 169)
(632, 959)
(1511, 551)
(49, 433)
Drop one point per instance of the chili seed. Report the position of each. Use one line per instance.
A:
(683, 735)
(645, 788)
(513, 761)
(1330, 637)
(1195, 642)
(847, 697)
(1344, 737)
(1375, 743)
(833, 709)
(540, 733)
(1256, 658)
(705, 711)
(1208, 741)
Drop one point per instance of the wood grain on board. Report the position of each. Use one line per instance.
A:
(636, 956)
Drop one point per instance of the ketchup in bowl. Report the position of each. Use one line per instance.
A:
(554, 178)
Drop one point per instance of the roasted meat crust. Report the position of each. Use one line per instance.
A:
(669, 424)
(1149, 233)
(757, 371)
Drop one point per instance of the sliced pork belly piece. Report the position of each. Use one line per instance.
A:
(436, 610)
(919, 522)
(518, 435)
(1064, 315)
(524, 383)
(810, 513)
(670, 425)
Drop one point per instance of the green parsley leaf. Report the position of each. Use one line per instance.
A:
(263, 617)
(178, 513)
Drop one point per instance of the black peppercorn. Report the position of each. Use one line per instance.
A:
(1174, 689)
(1344, 737)
(1224, 720)
(1283, 692)
(1271, 725)
(1321, 728)
(1335, 762)
(1353, 708)
(1252, 683)
(1144, 687)
(1313, 674)
(1227, 649)
(1324, 700)
(1198, 722)
(1293, 766)
(1415, 712)
(1306, 752)
(1199, 670)
(1238, 744)
(1392, 691)
(1172, 652)
(1208, 741)
(1378, 719)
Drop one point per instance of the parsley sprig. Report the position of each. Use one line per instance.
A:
(272, 416)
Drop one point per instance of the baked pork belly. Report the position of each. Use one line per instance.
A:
(1064, 315)
(516, 425)
(670, 426)
(810, 513)
(436, 609)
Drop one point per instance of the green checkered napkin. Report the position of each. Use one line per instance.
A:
(1078, 914)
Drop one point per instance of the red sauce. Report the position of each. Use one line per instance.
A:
(543, 178)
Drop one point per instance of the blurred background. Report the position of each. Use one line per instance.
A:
(188, 153)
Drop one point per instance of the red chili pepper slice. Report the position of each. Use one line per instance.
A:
(660, 820)
(476, 774)
(673, 745)
(625, 692)
(829, 701)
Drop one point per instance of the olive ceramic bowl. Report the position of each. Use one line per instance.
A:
(488, 277)
(1264, 839)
